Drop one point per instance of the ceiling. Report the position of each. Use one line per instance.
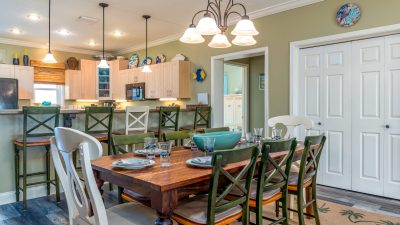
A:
(169, 18)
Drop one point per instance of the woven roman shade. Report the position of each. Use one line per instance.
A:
(49, 73)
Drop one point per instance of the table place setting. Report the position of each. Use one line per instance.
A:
(133, 163)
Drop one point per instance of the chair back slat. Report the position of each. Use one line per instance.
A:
(216, 129)
(40, 121)
(217, 192)
(98, 120)
(81, 195)
(136, 118)
(313, 146)
(274, 173)
(177, 136)
(202, 117)
(291, 123)
(121, 143)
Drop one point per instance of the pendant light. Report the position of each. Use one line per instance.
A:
(103, 63)
(49, 58)
(146, 67)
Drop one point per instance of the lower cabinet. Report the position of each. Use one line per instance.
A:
(233, 111)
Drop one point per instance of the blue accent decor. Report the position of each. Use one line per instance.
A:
(223, 139)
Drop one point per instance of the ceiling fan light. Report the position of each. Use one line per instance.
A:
(103, 64)
(146, 69)
(220, 41)
(207, 26)
(244, 40)
(191, 37)
(49, 58)
(245, 27)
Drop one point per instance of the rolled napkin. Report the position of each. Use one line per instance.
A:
(130, 162)
(202, 160)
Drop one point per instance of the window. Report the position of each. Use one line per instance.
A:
(48, 92)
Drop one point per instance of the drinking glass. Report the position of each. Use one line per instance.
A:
(209, 143)
(165, 153)
(150, 145)
(258, 134)
(276, 133)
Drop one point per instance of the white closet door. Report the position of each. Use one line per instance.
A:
(392, 118)
(336, 159)
(367, 115)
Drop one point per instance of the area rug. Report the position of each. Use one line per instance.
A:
(335, 214)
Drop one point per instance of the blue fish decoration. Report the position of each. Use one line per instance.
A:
(199, 75)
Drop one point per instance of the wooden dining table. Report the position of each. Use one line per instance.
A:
(163, 186)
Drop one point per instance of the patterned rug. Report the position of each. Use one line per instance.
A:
(335, 214)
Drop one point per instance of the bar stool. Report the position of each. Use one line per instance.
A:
(38, 127)
(168, 120)
(202, 119)
(100, 128)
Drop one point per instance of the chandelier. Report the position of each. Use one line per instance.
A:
(215, 22)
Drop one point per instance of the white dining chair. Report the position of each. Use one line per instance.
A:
(136, 119)
(82, 196)
(291, 123)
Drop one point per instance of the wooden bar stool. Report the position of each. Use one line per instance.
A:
(202, 119)
(168, 120)
(38, 127)
(98, 123)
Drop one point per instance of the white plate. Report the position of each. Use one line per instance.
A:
(133, 163)
(190, 162)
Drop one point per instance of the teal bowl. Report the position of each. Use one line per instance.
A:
(223, 139)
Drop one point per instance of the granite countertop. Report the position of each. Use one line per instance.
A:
(76, 111)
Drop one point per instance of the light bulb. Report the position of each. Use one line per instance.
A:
(103, 64)
(49, 58)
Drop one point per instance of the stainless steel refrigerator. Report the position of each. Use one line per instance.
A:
(8, 93)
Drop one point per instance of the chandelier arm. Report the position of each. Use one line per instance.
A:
(229, 7)
(196, 14)
(242, 6)
(232, 12)
(217, 16)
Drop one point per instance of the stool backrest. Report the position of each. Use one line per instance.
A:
(81, 195)
(168, 118)
(217, 193)
(291, 122)
(274, 173)
(202, 117)
(136, 118)
(121, 143)
(98, 120)
(42, 119)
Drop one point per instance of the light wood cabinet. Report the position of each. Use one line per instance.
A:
(154, 82)
(119, 80)
(176, 80)
(7, 71)
(24, 75)
(73, 84)
(88, 76)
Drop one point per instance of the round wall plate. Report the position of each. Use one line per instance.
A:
(348, 15)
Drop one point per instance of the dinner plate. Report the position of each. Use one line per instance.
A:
(202, 162)
(133, 163)
(143, 152)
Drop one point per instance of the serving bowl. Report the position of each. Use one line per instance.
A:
(223, 139)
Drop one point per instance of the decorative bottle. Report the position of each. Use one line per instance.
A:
(26, 58)
(16, 59)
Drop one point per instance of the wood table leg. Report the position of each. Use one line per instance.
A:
(164, 203)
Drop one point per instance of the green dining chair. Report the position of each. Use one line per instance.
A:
(177, 136)
(168, 120)
(202, 119)
(38, 127)
(217, 129)
(121, 145)
(306, 178)
(98, 123)
(214, 208)
(273, 179)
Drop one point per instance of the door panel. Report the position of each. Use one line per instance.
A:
(367, 116)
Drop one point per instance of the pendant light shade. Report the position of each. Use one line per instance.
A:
(244, 41)
(207, 26)
(103, 62)
(245, 27)
(220, 41)
(49, 58)
(191, 37)
(146, 68)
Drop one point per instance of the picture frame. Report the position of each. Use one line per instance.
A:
(261, 82)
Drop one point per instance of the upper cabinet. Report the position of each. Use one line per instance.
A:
(73, 84)
(88, 71)
(176, 80)
(154, 82)
(119, 79)
(24, 75)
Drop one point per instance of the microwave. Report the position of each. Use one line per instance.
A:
(135, 92)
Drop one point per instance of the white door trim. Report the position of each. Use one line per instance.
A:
(217, 82)
(332, 39)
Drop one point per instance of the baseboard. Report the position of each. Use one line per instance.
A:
(33, 192)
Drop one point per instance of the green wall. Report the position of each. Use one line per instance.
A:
(256, 117)
(276, 32)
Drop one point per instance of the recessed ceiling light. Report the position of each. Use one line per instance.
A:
(33, 17)
(92, 43)
(64, 32)
(118, 33)
(15, 30)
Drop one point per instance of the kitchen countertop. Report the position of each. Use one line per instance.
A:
(76, 111)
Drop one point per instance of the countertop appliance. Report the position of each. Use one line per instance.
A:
(8, 93)
(135, 92)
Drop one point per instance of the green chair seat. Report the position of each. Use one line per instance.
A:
(33, 140)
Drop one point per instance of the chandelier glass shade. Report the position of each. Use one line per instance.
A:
(215, 22)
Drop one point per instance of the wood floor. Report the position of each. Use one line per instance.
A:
(45, 211)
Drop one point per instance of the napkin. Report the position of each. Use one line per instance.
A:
(202, 160)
